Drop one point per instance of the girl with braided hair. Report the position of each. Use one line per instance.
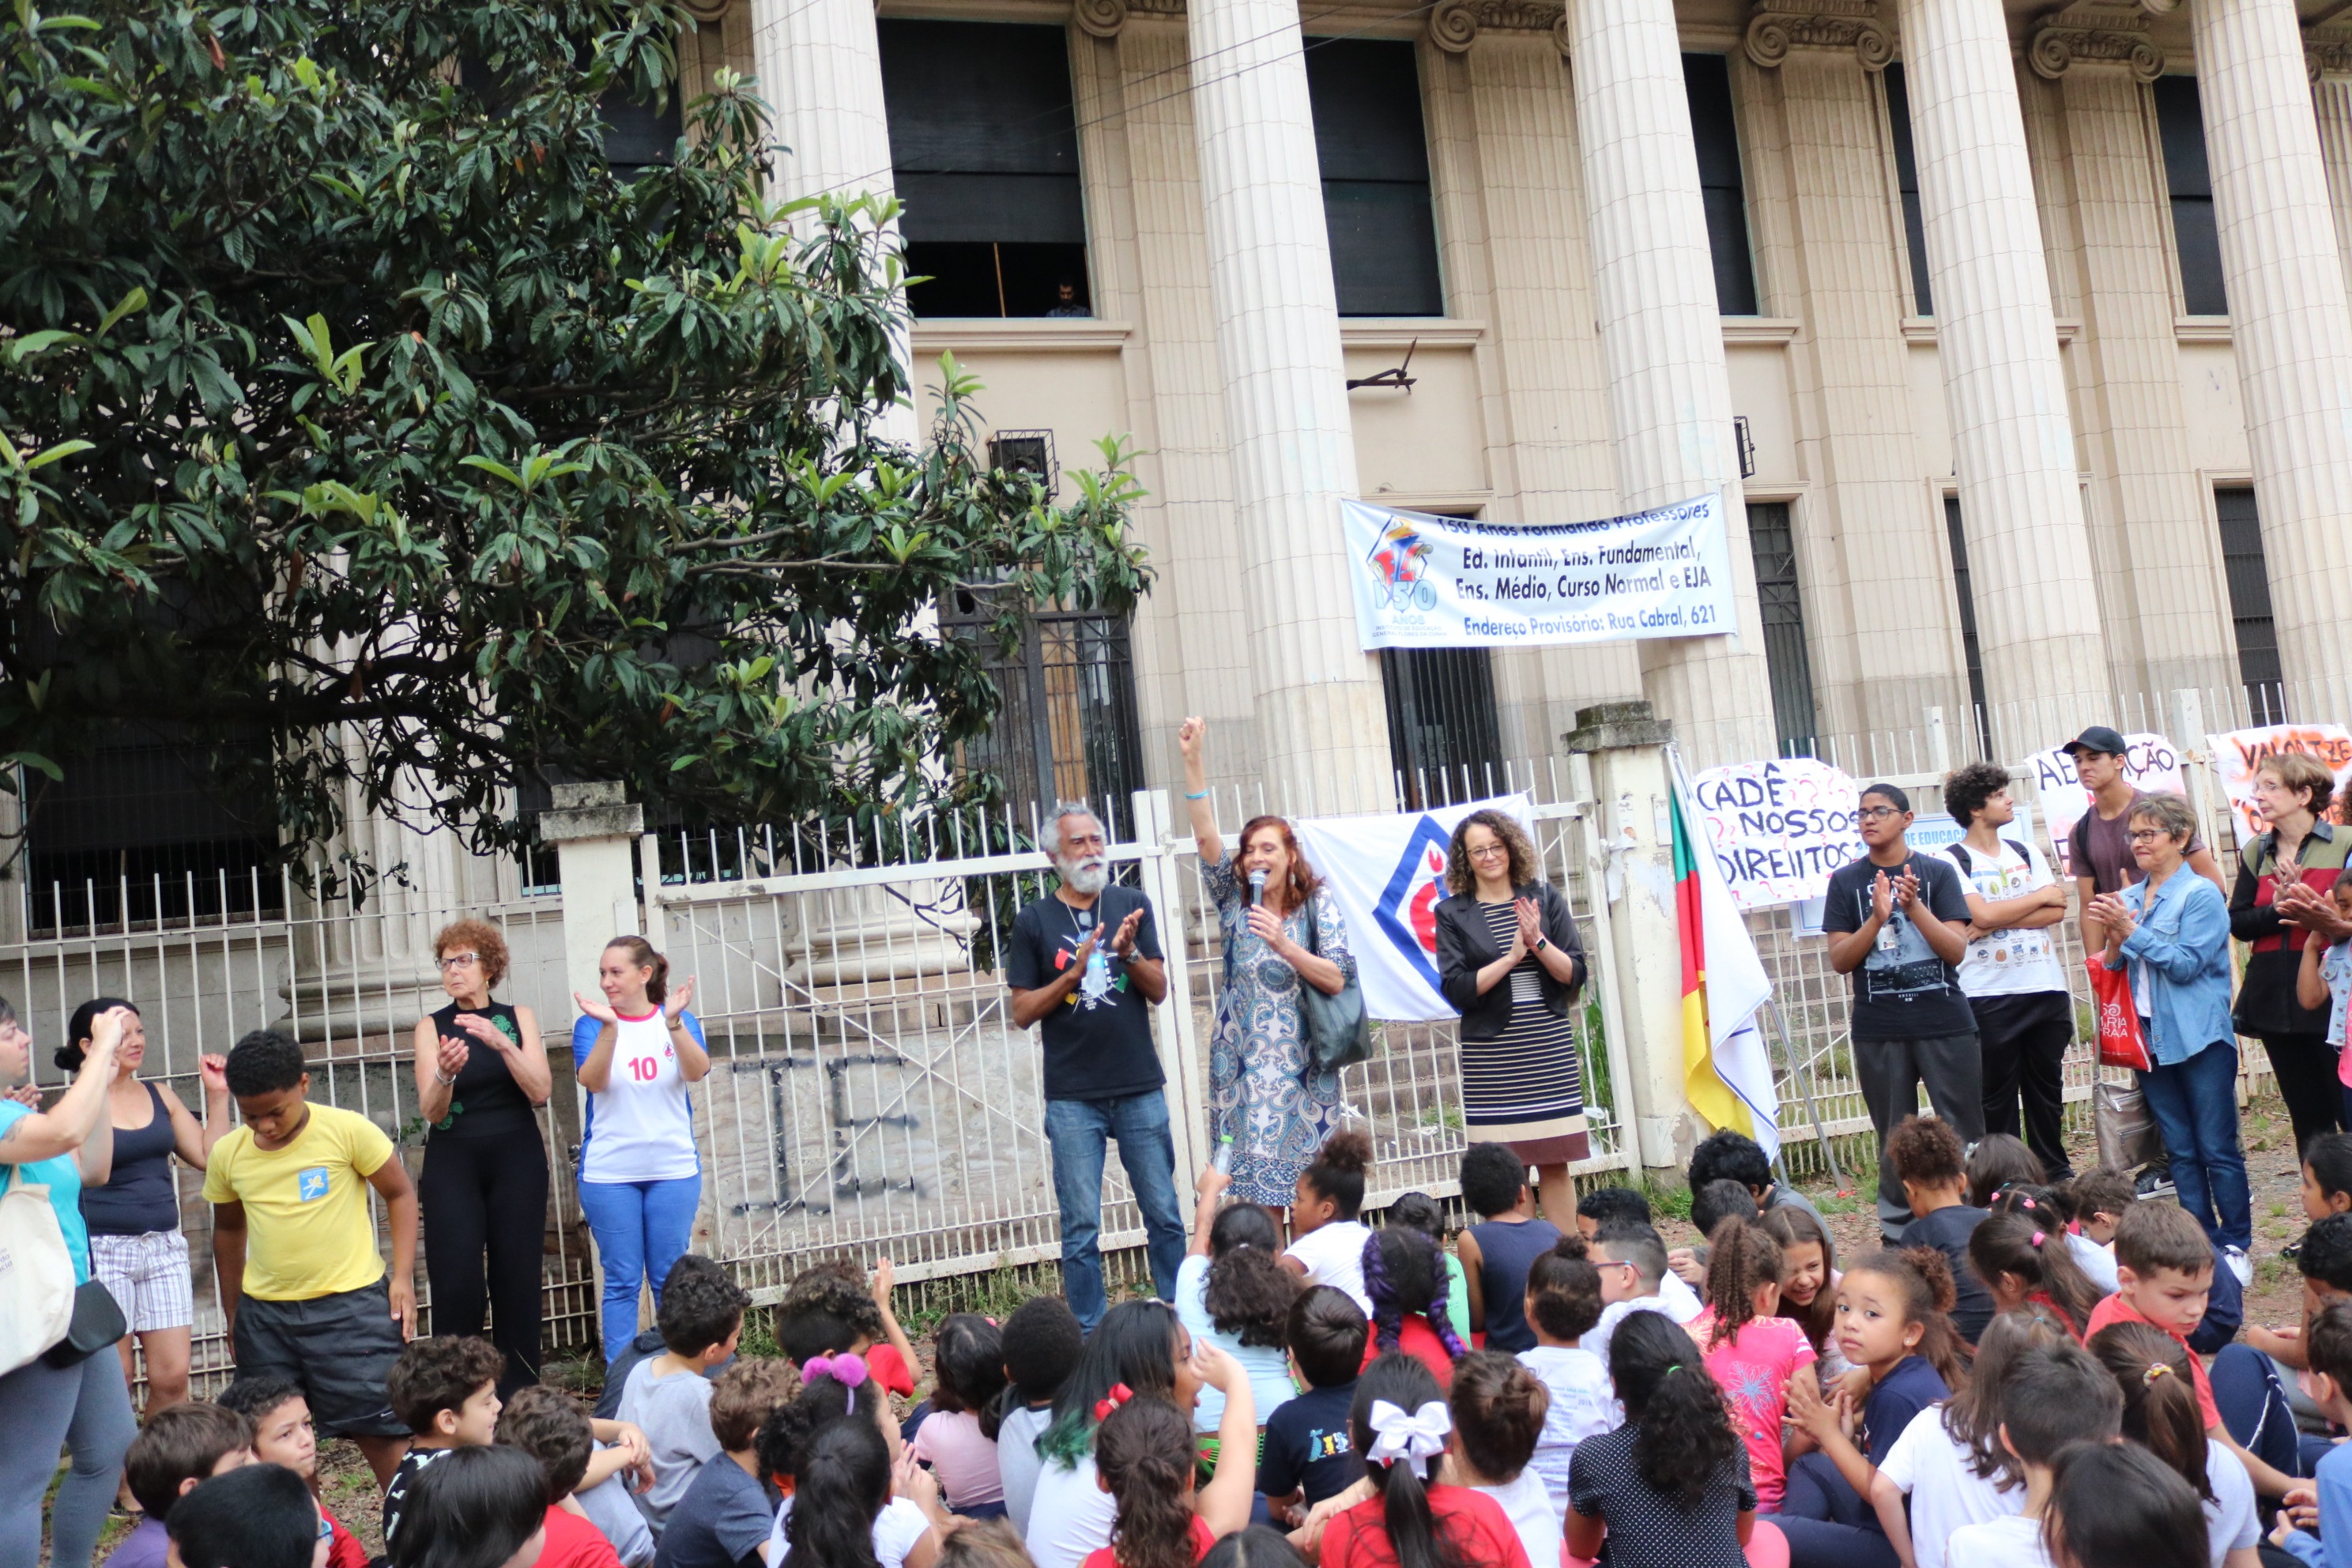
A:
(1143, 1452)
(1750, 1351)
(1405, 1277)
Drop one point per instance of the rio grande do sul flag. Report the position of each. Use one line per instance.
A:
(1727, 1073)
(1387, 873)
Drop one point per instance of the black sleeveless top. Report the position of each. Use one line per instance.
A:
(142, 1195)
(484, 1101)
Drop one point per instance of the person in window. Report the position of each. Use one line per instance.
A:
(481, 1075)
(2291, 791)
(1265, 1099)
(136, 1247)
(2172, 931)
(1509, 963)
(1083, 966)
(635, 1049)
(1067, 301)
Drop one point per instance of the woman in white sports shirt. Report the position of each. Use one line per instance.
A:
(635, 1051)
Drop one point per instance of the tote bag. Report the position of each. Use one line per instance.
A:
(36, 1272)
(2120, 1045)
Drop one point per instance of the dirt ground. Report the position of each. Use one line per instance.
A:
(2275, 1298)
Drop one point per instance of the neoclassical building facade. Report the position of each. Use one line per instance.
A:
(2017, 333)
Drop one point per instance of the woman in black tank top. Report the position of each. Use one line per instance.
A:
(481, 1075)
(137, 1249)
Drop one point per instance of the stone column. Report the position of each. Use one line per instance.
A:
(2330, 55)
(1662, 341)
(1292, 448)
(2288, 318)
(819, 68)
(2013, 441)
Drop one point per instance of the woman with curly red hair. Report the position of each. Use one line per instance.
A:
(481, 1075)
(1263, 1098)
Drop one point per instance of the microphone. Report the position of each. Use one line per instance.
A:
(1257, 886)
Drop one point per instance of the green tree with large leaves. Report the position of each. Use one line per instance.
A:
(359, 420)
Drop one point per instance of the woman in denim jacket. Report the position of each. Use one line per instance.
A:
(2173, 932)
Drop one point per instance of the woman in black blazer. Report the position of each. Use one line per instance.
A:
(1509, 961)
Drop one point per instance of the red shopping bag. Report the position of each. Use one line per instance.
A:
(2120, 1045)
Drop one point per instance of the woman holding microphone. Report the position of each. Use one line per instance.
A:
(1265, 1099)
(1509, 961)
(634, 1049)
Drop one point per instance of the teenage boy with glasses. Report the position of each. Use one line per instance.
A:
(1897, 923)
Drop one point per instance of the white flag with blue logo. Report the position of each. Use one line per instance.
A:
(1387, 875)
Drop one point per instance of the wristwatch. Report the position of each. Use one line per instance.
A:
(1542, 942)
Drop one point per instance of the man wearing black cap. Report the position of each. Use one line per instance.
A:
(2100, 845)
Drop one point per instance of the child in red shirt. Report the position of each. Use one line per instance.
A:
(1399, 1423)
(1143, 1456)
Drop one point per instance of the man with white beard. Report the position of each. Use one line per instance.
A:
(1085, 964)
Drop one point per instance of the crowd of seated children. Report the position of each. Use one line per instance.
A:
(283, 1435)
(445, 1391)
(724, 1516)
(477, 1507)
(180, 1446)
(834, 1308)
(550, 1427)
(2058, 1397)
(850, 1496)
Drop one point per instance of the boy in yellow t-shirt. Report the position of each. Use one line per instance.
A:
(301, 1280)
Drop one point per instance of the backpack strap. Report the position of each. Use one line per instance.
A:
(2018, 850)
(1968, 861)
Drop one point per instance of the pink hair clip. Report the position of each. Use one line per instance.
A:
(849, 1371)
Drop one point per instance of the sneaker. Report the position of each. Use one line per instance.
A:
(2156, 1181)
(2240, 1264)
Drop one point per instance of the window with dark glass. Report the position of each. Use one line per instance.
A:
(2249, 605)
(1773, 541)
(638, 135)
(1706, 82)
(141, 831)
(1374, 155)
(984, 153)
(2180, 124)
(1906, 180)
(1969, 648)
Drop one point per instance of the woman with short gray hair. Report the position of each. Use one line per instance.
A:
(2171, 931)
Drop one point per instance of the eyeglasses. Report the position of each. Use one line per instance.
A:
(1488, 851)
(459, 961)
(2148, 835)
(1872, 812)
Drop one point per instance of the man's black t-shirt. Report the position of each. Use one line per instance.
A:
(1902, 991)
(1097, 1046)
(1948, 1231)
(1307, 1447)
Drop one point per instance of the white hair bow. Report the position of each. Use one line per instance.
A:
(1419, 1436)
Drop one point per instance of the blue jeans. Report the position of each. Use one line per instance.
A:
(1827, 1522)
(84, 1408)
(1077, 1130)
(640, 1228)
(2195, 1103)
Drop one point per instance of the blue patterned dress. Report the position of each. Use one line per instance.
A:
(1259, 1093)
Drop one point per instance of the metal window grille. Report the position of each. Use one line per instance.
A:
(1445, 739)
(139, 833)
(2249, 605)
(1066, 728)
(1023, 452)
(1772, 539)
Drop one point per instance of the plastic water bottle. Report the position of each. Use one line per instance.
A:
(1224, 1160)
(1096, 985)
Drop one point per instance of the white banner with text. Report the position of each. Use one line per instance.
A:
(1442, 581)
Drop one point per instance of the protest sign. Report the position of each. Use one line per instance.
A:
(2239, 752)
(1442, 582)
(1777, 828)
(2150, 761)
(1933, 831)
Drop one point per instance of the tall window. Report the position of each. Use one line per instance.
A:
(140, 833)
(1374, 155)
(1445, 739)
(2249, 604)
(2181, 123)
(1772, 539)
(1969, 648)
(1065, 729)
(984, 151)
(1706, 79)
(1906, 180)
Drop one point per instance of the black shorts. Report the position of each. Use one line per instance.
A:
(340, 1348)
